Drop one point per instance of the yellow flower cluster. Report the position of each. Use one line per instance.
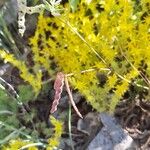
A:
(54, 141)
(100, 34)
(17, 144)
(33, 80)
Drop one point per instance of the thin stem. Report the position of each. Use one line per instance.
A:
(88, 70)
(81, 72)
(138, 85)
(7, 112)
(69, 126)
(32, 145)
(12, 89)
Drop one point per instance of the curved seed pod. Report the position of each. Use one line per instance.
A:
(71, 97)
(58, 86)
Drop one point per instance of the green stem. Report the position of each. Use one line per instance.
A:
(69, 126)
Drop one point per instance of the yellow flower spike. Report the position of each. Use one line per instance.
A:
(33, 80)
(54, 141)
(18, 144)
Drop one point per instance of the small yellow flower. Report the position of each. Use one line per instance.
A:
(55, 139)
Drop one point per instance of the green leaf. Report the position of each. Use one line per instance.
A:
(6, 102)
(25, 93)
(3, 95)
(73, 4)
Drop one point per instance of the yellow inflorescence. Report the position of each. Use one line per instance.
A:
(98, 35)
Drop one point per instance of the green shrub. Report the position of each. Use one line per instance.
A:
(101, 35)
